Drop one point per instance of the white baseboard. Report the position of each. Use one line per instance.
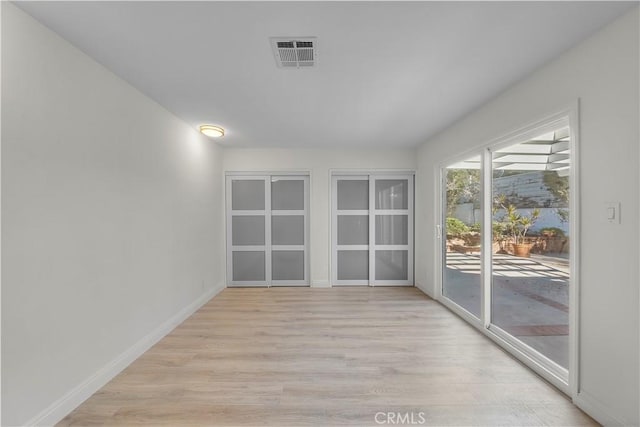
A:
(73, 398)
(320, 284)
(423, 289)
(597, 410)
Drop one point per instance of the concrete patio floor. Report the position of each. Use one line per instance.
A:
(530, 298)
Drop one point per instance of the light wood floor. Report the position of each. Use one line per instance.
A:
(324, 357)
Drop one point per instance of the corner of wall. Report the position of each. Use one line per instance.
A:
(597, 411)
(72, 399)
(424, 290)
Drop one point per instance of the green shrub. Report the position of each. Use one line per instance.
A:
(551, 232)
(499, 230)
(456, 228)
(475, 228)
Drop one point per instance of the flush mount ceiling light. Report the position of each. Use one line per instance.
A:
(212, 131)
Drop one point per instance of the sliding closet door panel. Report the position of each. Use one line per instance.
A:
(248, 257)
(350, 230)
(289, 230)
(391, 261)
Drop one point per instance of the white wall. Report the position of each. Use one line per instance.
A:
(111, 217)
(318, 162)
(603, 73)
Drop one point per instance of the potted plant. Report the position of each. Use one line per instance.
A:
(514, 226)
(517, 226)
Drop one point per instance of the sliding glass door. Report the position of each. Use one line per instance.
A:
(530, 267)
(267, 230)
(461, 278)
(506, 222)
(372, 230)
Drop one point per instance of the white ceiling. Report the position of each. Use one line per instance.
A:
(388, 74)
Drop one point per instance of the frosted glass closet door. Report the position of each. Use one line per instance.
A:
(350, 230)
(391, 257)
(289, 230)
(267, 230)
(248, 231)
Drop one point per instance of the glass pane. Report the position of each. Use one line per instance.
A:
(392, 229)
(287, 194)
(248, 266)
(462, 280)
(531, 271)
(353, 194)
(247, 195)
(392, 194)
(247, 230)
(287, 230)
(287, 265)
(353, 229)
(353, 265)
(392, 265)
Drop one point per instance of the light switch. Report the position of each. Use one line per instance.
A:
(612, 212)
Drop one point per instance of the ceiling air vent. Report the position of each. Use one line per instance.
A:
(294, 52)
